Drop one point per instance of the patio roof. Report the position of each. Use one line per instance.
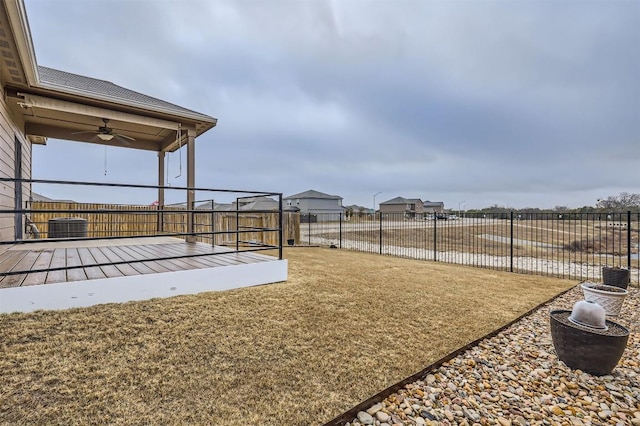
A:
(62, 105)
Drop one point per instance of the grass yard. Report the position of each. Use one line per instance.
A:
(343, 327)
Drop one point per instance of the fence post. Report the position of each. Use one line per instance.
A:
(435, 236)
(213, 226)
(374, 213)
(629, 240)
(511, 245)
(280, 230)
(309, 227)
(237, 224)
(340, 242)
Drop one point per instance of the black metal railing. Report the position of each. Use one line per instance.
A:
(237, 230)
(568, 245)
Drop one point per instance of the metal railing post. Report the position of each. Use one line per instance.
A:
(511, 245)
(629, 240)
(435, 237)
(380, 232)
(237, 224)
(340, 241)
(213, 225)
(309, 227)
(280, 233)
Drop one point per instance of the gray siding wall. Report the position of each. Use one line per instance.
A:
(9, 130)
(316, 205)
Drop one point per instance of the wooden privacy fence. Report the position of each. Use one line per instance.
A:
(103, 221)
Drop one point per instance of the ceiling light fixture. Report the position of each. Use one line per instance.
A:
(105, 136)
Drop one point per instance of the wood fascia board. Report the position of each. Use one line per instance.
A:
(17, 15)
(36, 101)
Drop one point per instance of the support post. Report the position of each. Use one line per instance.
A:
(191, 183)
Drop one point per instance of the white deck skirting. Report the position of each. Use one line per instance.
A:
(140, 287)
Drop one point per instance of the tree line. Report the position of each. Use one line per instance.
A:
(622, 202)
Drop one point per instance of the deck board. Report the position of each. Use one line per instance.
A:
(24, 264)
(59, 260)
(140, 267)
(125, 269)
(73, 259)
(141, 258)
(93, 272)
(42, 262)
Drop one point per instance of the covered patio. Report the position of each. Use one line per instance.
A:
(161, 260)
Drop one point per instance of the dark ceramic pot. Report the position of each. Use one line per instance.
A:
(617, 277)
(591, 350)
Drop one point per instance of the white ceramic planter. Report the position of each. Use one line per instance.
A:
(607, 296)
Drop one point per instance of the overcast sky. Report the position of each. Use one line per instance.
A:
(474, 103)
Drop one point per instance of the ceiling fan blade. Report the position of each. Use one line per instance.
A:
(84, 133)
(124, 136)
(123, 139)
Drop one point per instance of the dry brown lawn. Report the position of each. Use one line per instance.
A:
(343, 327)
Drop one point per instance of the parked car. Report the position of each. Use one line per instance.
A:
(441, 217)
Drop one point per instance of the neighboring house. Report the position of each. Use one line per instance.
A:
(433, 207)
(326, 207)
(258, 204)
(250, 203)
(219, 207)
(357, 211)
(409, 207)
(38, 197)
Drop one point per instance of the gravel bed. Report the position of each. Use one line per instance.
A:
(515, 378)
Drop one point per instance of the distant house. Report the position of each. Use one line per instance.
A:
(324, 206)
(433, 207)
(246, 204)
(409, 207)
(38, 197)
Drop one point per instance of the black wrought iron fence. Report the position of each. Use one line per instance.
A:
(568, 245)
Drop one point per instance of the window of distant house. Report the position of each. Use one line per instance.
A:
(288, 202)
(297, 201)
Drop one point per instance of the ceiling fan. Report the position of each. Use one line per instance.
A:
(106, 134)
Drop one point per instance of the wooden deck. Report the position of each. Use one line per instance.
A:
(131, 257)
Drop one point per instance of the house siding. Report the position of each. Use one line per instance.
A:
(410, 208)
(9, 131)
(326, 209)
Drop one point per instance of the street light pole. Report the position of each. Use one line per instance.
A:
(374, 203)
(459, 208)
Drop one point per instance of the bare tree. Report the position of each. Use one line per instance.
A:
(624, 201)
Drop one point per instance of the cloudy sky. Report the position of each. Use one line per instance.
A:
(474, 103)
